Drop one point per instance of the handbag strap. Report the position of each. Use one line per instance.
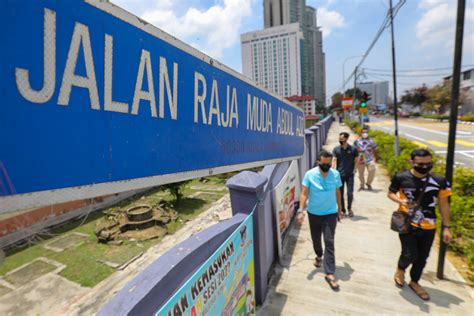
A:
(422, 194)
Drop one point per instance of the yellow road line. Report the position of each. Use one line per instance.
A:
(437, 144)
(383, 123)
(464, 143)
(419, 144)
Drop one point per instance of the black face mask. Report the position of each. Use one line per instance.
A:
(423, 169)
(342, 142)
(324, 167)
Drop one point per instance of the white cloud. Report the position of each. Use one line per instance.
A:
(330, 20)
(211, 30)
(436, 28)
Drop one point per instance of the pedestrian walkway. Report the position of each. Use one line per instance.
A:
(366, 256)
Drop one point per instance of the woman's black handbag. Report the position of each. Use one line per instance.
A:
(400, 221)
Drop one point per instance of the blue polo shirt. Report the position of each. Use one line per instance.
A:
(322, 198)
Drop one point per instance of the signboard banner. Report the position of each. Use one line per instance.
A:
(285, 195)
(224, 284)
(95, 102)
(347, 103)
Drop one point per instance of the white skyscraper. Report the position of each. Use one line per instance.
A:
(284, 12)
(272, 57)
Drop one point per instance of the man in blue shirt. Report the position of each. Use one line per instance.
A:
(321, 185)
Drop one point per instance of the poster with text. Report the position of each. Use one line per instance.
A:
(285, 195)
(224, 284)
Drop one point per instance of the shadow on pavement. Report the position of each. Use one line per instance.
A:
(275, 302)
(343, 273)
(438, 298)
(374, 191)
(431, 277)
(357, 218)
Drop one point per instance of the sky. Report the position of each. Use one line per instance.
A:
(424, 34)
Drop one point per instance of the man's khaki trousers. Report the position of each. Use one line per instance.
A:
(371, 173)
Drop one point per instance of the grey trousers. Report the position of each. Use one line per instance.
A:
(324, 225)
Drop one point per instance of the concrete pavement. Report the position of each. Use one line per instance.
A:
(366, 255)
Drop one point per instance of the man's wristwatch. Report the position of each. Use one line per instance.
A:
(446, 226)
(300, 211)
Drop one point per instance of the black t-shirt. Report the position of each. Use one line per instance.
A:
(345, 159)
(409, 187)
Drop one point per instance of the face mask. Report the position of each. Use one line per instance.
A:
(324, 167)
(365, 135)
(342, 142)
(423, 169)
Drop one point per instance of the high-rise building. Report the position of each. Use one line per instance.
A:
(282, 12)
(320, 69)
(272, 57)
(378, 91)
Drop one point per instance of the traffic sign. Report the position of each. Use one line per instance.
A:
(363, 110)
(347, 102)
(95, 101)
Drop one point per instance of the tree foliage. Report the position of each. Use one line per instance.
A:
(176, 189)
(350, 93)
(438, 98)
(416, 96)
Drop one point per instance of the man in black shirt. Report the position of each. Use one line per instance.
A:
(345, 162)
(417, 243)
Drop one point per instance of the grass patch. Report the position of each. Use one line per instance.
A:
(82, 265)
(29, 272)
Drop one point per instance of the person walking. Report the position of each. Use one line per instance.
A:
(321, 190)
(345, 162)
(367, 149)
(417, 191)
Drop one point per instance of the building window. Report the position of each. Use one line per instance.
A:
(467, 75)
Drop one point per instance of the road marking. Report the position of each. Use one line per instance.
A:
(380, 123)
(436, 143)
(457, 151)
(434, 132)
(466, 154)
(465, 143)
(415, 137)
(419, 144)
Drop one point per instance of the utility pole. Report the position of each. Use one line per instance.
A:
(394, 70)
(453, 117)
(354, 91)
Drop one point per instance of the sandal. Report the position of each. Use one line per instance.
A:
(399, 277)
(317, 262)
(332, 283)
(419, 290)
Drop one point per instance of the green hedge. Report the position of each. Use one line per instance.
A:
(436, 116)
(467, 118)
(462, 202)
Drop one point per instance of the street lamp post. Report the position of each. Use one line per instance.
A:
(344, 74)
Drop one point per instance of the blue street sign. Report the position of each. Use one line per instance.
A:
(95, 101)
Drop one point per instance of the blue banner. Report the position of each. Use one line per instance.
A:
(224, 284)
(91, 94)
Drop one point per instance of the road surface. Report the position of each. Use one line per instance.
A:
(434, 135)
